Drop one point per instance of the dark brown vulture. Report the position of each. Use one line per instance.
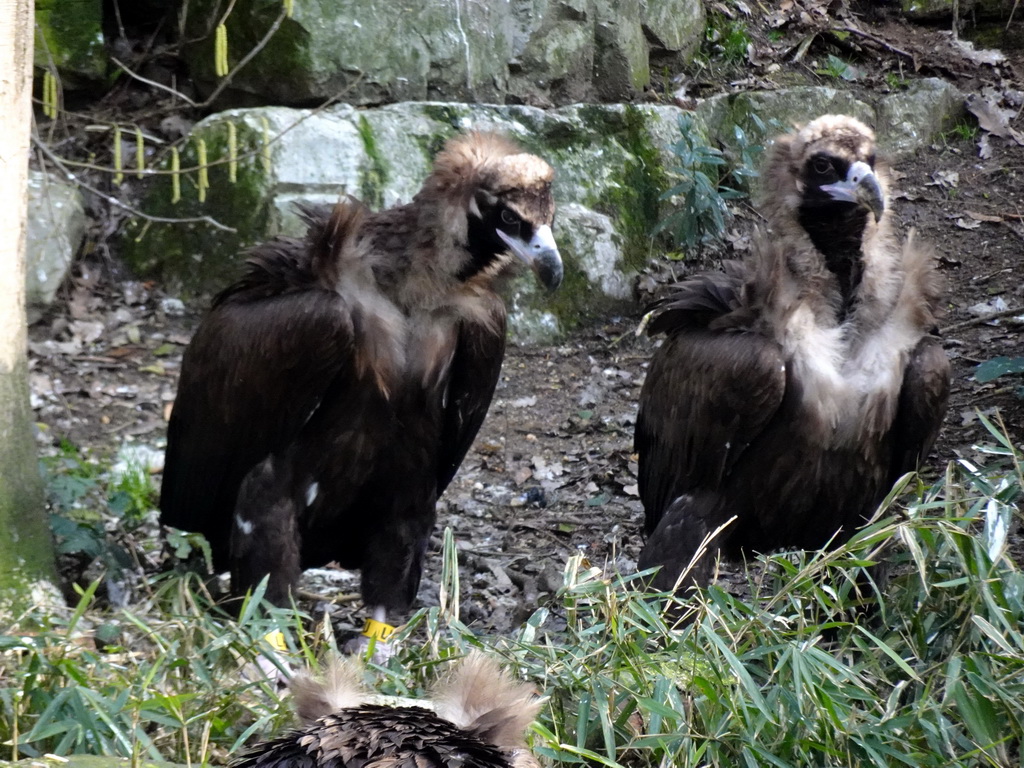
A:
(330, 394)
(476, 719)
(793, 389)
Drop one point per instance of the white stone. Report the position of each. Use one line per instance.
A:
(56, 228)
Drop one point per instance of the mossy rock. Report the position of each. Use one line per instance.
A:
(69, 36)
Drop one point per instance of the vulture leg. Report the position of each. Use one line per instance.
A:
(264, 537)
(376, 632)
(681, 543)
(922, 405)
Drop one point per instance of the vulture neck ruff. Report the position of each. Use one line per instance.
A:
(849, 367)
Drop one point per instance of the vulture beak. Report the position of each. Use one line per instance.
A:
(860, 186)
(541, 254)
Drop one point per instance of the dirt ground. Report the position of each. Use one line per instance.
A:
(552, 471)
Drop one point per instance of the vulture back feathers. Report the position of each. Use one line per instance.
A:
(475, 718)
(332, 392)
(792, 390)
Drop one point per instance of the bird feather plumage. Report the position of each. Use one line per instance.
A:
(792, 389)
(369, 350)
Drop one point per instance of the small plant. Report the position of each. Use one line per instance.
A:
(962, 131)
(734, 42)
(838, 69)
(744, 156)
(706, 179)
(94, 511)
(726, 39)
(895, 81)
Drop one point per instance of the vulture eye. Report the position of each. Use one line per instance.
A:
(821, 165)
(507, 217)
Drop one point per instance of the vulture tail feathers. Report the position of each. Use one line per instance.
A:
(699, 301)
(482, 699)
(340, 687)
(271, 269)
(334, 242)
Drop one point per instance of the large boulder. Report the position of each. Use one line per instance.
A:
(541, 52)
(365, 51)
(56, 228)
(904, 121)
(909, 119)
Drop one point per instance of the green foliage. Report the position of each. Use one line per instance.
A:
(707, 177)
(820, 664)
(997, 367)
(895, 81)
(838, 69)
(727, 39)
(963, 130)
(182, 687)
(92, 507)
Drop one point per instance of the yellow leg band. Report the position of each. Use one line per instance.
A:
(378, 630)
(276, 641)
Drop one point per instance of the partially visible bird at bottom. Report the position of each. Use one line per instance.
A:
(793, 389)
(476, 717)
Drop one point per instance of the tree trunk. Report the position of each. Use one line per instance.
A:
(27, 571)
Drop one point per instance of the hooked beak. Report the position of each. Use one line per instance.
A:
(541, 254)
(860, 186)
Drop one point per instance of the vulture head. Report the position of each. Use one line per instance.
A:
(476, 717)
(823, 182)
(499, 207)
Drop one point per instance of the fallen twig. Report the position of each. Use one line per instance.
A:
(879, 41)
(981, 320)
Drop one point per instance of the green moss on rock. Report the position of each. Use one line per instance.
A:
(375, 177)
(69, 35)
(636, 201)
(198, 254)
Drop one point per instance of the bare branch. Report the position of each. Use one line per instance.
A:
(147, 81)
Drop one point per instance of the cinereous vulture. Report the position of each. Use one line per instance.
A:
(476, 718)
(794, 388)
(331, 393)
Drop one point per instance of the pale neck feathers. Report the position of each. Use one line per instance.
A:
(850, 372)
(481, 698)
(477, 696)
(340, 687)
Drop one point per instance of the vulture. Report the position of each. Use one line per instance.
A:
(794, 388)
(476, 718)
(330, 394)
